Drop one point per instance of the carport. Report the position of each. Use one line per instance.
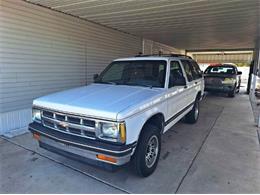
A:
(44, 42)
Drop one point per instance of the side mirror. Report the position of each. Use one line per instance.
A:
(95, 76)
(239, 72)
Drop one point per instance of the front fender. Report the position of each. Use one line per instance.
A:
(135, 123)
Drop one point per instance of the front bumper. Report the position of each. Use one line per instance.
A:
(69, 145)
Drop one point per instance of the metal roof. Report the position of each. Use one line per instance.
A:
(187, 24)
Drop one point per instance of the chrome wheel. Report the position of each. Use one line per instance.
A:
(151, 151)
(196, 113)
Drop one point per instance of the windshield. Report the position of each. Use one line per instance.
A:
(149, 73)
(220, 70)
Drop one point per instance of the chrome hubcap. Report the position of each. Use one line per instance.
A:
(196, 110)
(151, 151)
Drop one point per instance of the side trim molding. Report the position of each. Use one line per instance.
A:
(178, 114)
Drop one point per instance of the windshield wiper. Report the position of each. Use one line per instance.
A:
(144, 85)
(105, 82)
(138, 84)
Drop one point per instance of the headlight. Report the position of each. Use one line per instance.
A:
(36, 115)
(115, 132)
(229, 81)
(109, 130)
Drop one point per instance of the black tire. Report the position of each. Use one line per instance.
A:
(238, 89)
(193, 115)
(232, 93)
(139, 161)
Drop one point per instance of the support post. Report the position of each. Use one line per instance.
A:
(255, 76)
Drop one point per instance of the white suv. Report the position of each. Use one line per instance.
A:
(122, 115)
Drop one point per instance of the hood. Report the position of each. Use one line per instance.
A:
(97, 100)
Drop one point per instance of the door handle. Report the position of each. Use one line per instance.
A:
(196, 82)
(185, 87)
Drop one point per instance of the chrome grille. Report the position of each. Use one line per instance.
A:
(75, 125)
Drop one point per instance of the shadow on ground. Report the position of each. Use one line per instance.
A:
(179, 147)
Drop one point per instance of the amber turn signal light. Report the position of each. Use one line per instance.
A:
(106, 158)
(122, 130)
(36, 136)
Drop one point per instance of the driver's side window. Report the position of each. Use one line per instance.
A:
(176, 75)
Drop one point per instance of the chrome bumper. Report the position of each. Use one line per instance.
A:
(69, 145)
(44, 141)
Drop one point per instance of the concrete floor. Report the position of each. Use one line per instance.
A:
(219, 154)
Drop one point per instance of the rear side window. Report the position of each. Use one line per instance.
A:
(196, 72)
(187, 69)
(176, 74)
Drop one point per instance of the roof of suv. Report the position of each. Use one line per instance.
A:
(155, 57)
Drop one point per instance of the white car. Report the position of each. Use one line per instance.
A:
(122, 115)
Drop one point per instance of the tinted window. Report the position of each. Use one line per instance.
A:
(187, 69)
(115, 72)
(176, 74)
(196, 72)
(220, 70)
(140, 72)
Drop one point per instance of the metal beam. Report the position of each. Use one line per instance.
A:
(220, 50)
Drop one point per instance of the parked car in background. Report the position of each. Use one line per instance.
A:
(122, 115)
(223, 78)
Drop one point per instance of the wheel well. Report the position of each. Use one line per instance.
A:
(156, 120)
(199, 95)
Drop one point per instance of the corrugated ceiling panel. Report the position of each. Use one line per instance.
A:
(189, 24)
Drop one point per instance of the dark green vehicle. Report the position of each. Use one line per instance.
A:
(223, 78)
